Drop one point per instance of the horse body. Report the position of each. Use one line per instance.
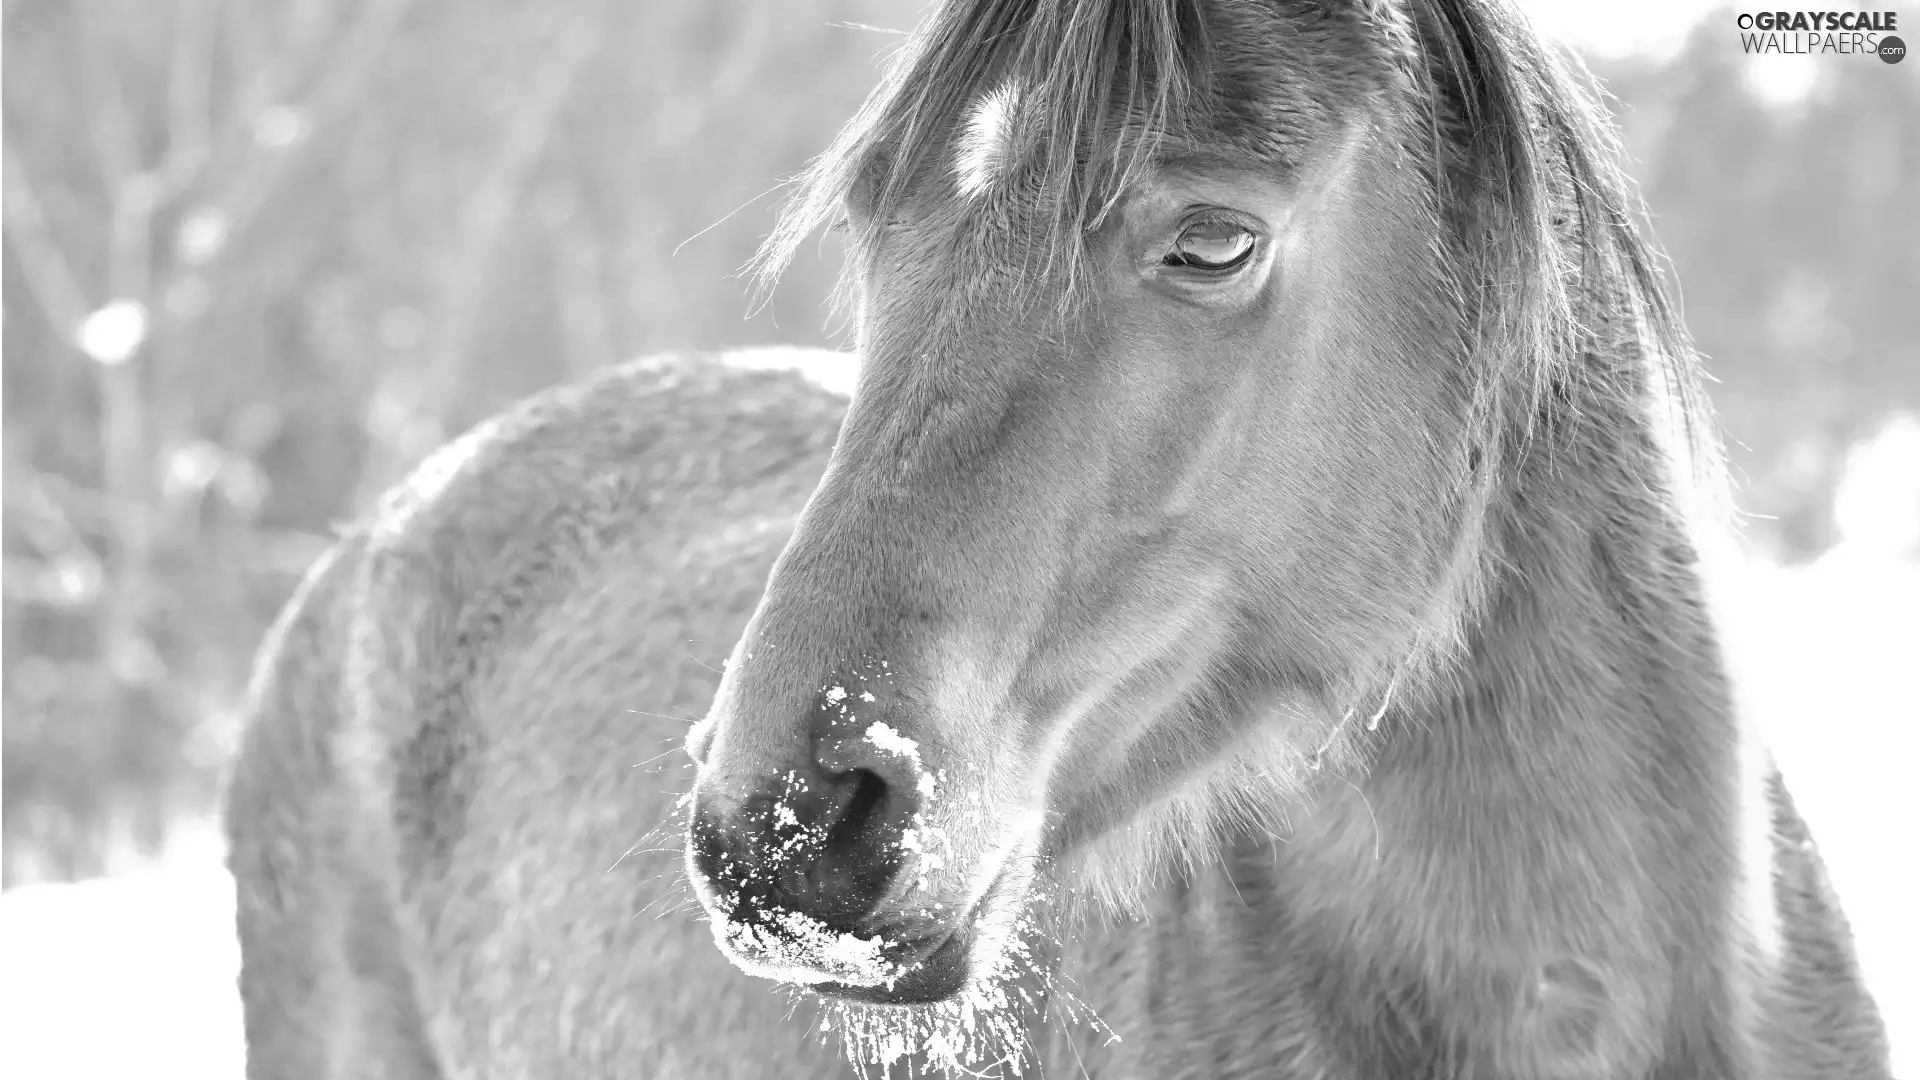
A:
(1246, 602)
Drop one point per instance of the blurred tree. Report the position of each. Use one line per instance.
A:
(141, 141)
(1792, 229)
(260, 258)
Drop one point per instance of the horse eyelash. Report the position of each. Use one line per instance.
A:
(1214, 217)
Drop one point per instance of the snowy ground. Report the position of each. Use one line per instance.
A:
(1825, 657)
(125, 976)
(133, 975)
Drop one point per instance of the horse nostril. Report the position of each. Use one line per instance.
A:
(857, 856)
(863, 804)
(826, 845)
(859, 834)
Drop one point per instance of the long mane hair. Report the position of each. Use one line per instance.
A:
(1540, 225)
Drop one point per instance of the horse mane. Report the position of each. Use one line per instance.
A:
(1549, 227)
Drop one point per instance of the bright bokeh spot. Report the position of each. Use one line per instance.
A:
(201, 236)
(279, 126)
(114, 332)
(1877, 509)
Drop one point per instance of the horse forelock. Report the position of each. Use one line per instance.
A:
(1072, 97)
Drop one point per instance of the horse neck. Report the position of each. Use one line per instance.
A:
(1570, 788)
(1588, 696)
(1558, 812)
(1593, 639)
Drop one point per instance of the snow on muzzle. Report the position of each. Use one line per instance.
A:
(849, 870)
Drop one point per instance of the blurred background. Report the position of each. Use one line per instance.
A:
(260, 257)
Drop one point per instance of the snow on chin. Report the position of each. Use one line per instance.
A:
(988, 1023)
(793, 947)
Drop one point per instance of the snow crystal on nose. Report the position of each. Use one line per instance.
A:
(886, 738)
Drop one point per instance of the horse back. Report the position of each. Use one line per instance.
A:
(450, 822)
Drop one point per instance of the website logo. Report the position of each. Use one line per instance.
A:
(1822, 33)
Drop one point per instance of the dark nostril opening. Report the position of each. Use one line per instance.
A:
(825, 845)
(862, 808)
(858, 856)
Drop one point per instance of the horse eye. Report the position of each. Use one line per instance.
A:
(1211, 245)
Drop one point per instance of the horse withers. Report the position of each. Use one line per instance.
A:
(1247, 624)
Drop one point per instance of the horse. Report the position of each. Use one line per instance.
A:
(1247, 621)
